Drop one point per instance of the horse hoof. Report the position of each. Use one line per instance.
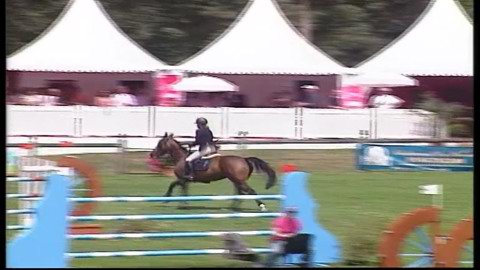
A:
(263, 208)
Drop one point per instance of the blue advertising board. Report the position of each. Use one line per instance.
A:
(413, 157)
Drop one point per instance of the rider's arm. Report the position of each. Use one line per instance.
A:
(196, 139)
(211, 135)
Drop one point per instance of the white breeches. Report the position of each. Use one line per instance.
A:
(198, 154)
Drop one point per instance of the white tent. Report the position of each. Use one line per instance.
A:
(439, 43)
(205, 84)
(262, 41)
(83, 39)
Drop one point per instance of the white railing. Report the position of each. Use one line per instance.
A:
(109, 121)
(409, 124)
(47, 120)
(260, 122)
(181, 120)
(336, 123)
(298, 123)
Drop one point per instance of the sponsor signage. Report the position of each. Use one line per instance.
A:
(410, 157)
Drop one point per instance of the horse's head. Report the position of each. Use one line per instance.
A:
(166, 145)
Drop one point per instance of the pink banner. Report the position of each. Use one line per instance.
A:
(352, 97)
(167, 96)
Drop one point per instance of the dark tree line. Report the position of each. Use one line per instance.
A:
(173, 30)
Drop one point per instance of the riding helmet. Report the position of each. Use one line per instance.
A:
(201, 121)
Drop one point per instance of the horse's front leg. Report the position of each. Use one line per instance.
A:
(184, 185)
(171, 187)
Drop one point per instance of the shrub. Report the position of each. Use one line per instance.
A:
(447, 112)
(361, 247)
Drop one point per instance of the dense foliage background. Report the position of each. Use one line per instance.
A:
(173, 30)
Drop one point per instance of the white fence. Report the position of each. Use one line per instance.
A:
(298, 123)
(25, 120)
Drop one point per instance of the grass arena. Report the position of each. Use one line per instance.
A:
(354, 206)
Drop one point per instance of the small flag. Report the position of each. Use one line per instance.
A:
(430, 189)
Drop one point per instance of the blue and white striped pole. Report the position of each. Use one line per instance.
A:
(17, 227)
(20, 211)
(24, 179)
(113, 236)
(164, 217)
(136, 253)
(173, 216)
(160, 199)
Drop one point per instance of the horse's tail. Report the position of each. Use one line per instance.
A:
(262, 166)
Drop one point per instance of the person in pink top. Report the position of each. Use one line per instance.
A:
(284, 227)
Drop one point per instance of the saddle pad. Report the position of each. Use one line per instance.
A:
(201, 164)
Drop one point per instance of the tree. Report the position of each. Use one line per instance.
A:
(174, 30)
(468, 6)
(26, 19)
(447, 113)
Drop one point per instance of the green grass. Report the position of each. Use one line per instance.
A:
(355, 206)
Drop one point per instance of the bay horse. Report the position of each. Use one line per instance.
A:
(235, 168)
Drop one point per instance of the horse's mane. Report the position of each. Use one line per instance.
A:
(180, 145)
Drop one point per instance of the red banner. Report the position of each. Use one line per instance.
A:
(352, 97)
(166, 95)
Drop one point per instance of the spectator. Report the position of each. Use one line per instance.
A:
(15, 99)
(40, 94)
(238, 101)
(123, 97)
(284, 228)
(30, 98)
(204, 100)
(20, 98)
(143, 99)
(103, 99)
(310, 97)
(51, 97)
(385, 100)
(281, 100)
(335, 99)
(218, 99)
(189, 100)
(76, 96)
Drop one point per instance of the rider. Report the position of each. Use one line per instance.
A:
(204, 139)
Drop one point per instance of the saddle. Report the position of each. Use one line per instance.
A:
(202, 164)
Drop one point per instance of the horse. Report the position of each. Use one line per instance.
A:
(234, 168)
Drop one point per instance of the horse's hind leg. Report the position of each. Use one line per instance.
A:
(247, 189)
(236, 203)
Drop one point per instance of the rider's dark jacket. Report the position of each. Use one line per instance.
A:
(203, 138)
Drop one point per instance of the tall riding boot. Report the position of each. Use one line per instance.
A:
(188, 170)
